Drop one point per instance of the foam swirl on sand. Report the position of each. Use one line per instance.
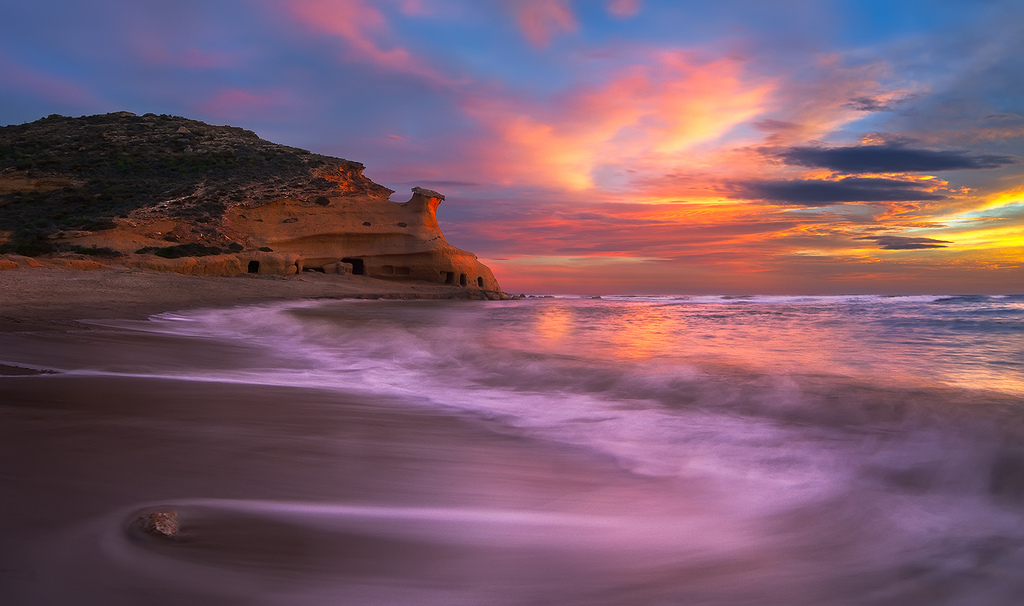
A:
(443, 553)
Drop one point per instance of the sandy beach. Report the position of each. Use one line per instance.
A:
(51, 298)
(80, 456)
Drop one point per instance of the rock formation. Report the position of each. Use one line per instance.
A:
(168, 193)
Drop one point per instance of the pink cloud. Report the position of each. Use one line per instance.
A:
(235, 104)
(54, 89)
(814, 106)
(154, 51)
(414, 7)
(364, 32)
(623, 8)
(542, 20)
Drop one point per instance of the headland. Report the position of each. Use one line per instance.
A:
(176, 195)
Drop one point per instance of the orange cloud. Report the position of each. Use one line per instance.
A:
(650, 114)
(579, 245)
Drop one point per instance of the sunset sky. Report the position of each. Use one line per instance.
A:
(605, 146)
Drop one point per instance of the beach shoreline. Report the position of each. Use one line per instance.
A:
(48, 298)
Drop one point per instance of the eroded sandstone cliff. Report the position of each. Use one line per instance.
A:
(169, 193)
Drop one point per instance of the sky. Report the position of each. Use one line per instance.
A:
(605, 146)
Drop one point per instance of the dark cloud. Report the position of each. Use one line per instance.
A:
(815, 192)
(890, 158)
(905, 242)
(874, 104)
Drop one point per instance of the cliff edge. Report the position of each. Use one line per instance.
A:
(169, 193)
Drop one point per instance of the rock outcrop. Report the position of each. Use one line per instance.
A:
(173, 194)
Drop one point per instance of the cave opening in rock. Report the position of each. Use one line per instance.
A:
(479, 282)
(462, 279)
(358, 267)
(449, 277)
(254, 267)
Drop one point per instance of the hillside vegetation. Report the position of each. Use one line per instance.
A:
(61, 173)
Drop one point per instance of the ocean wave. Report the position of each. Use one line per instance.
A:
(661, 401)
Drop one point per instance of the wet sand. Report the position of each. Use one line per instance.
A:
(78, 455)
(403, 504)
(49, 298)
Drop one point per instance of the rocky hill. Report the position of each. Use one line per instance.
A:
(171, 193)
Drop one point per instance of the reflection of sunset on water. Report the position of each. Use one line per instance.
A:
(554, 325)
(644, 332)
(799, 337)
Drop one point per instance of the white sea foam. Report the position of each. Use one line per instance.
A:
(767, 392)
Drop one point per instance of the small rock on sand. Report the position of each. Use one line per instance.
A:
(160, 523)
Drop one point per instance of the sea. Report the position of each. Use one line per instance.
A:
(857, 449)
